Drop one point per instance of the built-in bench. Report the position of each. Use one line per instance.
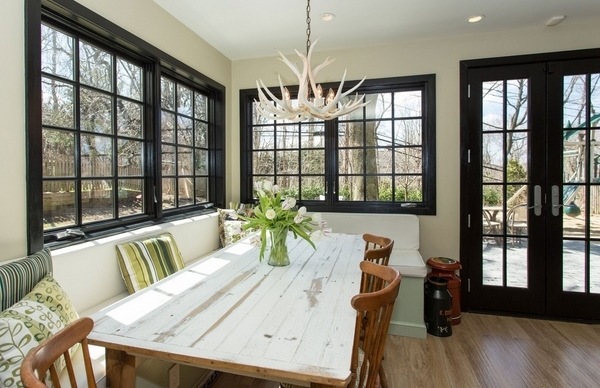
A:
(407, 319)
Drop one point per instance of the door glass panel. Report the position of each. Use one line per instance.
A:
(516, 104)
(492, 154)
(505, 177)
(492, 263)
(516, 264)
(595, 268)
(574, 106)
(573, 266)
(492, 102)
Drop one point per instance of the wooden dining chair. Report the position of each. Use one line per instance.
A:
(378, 249)
(373, 315)
(40, 359)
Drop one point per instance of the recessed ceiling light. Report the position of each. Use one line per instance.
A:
(554, 20)
(475, 18)
(327, 17)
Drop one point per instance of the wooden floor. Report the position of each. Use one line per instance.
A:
(487, 351)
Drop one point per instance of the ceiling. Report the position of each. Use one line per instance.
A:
(242, 29)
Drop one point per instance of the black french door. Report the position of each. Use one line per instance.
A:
(530, 187)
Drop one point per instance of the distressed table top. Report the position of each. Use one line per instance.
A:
(230, 312)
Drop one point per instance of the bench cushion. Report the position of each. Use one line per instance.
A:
(145, 262)
(39, 315)
(18, 277)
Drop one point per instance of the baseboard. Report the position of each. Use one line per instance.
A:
(408, 329)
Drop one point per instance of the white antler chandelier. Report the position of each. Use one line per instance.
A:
(307, 106)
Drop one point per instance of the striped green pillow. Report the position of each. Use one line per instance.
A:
(18, 277)
(145, 262)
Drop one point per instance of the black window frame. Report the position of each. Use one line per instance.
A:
(68, 15)
(424, 83)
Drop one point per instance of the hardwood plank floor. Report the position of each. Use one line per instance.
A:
(487, 351)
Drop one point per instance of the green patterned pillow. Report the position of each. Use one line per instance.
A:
(230, 225)
(18, 277)
(145, 262)
(39, 315)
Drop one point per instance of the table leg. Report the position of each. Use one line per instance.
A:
(120, 369)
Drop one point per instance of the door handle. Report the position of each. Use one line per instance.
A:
(537, 200)
(556, 205)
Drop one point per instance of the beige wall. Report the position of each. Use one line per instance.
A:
(439, 233)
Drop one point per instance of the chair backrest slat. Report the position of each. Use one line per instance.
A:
(40, 360)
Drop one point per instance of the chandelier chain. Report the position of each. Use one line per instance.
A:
(308, 43)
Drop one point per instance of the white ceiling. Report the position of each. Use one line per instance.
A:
(243, 29)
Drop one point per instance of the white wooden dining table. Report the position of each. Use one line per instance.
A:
(231, 313)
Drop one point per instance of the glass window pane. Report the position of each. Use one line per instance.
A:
(408, 132)
(59, 204)
(96, 200)
(379, 133)
(313, 135)
(351, 161)
(201, 134)
(130, 158)
(184, 100)
(263, 138)
(168, 160)
(287, 136)
(131, 197)
(313, 161)
(167, 127)
(408, 160)
(263, 163)
(184, 161)
(185, 192)
(409, 188)
(351, 188)
(313, 188)
(492, 105)
(129, 119)
(58, 107)
(201, 190)
(57, 53)
(201, 162)
(379, 188)
(129, 80)
(380, 106)
(185, 131)
(379, 161)
(287, 162)
(96, 112)
(167, 94)
(95, 67)
(200, 106)
(351, 135)
(168, 193)
(96, 156)
(59, 153)
(408, 104)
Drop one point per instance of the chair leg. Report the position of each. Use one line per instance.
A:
(382, 379)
